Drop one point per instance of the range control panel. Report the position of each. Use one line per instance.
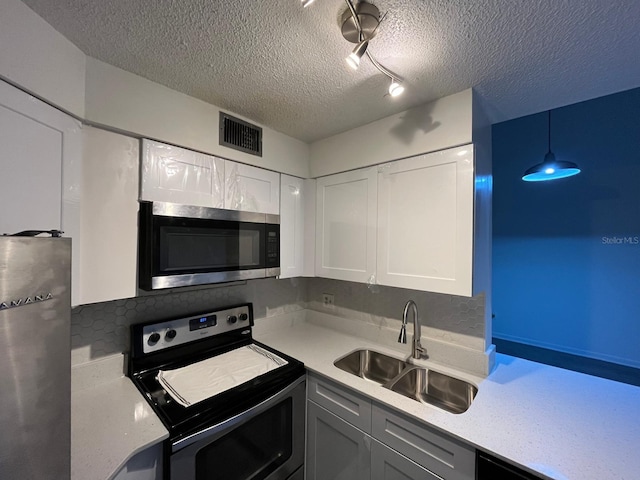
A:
(166, 334)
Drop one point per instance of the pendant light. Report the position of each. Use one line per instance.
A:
(550, 168)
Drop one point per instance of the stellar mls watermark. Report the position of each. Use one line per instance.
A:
(615, 240)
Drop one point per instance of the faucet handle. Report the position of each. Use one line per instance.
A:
(419, 351)
(402, 338)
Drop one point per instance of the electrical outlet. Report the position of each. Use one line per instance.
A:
(327, 300)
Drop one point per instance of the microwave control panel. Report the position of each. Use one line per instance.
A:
(273, 246)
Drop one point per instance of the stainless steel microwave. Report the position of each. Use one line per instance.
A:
(182, 245)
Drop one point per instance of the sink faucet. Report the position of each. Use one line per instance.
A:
(418, 350)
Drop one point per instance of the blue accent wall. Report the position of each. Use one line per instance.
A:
(566, 253)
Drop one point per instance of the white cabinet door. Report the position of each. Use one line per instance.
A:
(346, 225)
(292, 200)
(425, 222)
(178, 175)
(40, 156)
(251, 189)
(109, 220)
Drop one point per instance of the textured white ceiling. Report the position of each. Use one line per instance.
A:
(283, 66)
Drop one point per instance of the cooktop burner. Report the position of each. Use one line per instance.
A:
(167, 345)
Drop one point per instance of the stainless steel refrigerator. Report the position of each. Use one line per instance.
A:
(35, 372)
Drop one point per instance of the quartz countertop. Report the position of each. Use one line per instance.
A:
(110, 420)
(556, 423)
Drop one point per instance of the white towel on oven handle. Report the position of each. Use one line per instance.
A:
(199, 381)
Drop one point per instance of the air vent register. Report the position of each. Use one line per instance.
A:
(240, 135)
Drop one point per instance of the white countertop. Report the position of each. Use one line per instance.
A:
(110, 420)
(555, 422)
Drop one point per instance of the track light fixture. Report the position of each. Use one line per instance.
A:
(359, 25)
(395, 88)
(353, 60)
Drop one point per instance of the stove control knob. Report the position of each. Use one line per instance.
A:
(170, 335)
(153, 338)
(243, 317)
(232, 319)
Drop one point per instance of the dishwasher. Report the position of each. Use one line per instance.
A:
(492, 468)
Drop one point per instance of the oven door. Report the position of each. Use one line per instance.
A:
(265, 442)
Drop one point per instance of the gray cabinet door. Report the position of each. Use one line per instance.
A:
(336, 450)
(387, 464)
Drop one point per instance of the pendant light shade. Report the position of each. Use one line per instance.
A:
(550, 168)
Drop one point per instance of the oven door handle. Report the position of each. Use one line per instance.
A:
(237, 419)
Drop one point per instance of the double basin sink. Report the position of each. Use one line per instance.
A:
(418, 383)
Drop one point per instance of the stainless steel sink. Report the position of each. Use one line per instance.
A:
(434, 388)
(370, 365)
(420, 384)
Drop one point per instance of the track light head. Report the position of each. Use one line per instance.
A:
(395, 88)
(306, 3)
(353, 60)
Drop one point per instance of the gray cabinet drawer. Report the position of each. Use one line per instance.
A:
(437, 452)
(354, 408)
(387, 464)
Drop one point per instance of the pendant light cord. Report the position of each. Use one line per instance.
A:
(549, 132)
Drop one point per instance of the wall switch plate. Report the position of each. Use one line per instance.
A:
(327, 300)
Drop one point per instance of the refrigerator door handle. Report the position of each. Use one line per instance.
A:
(33, 233)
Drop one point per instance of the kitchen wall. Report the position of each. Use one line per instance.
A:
(124, 101)
(566, 254)
(443, 123)
(102, 329)
(39, 59)
(453, 327)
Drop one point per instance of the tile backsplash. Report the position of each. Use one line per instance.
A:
(102, 329)
(448, 318)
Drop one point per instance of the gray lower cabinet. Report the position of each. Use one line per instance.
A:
(448, 458)
(387, 464)
(336, 450)
(349, 437)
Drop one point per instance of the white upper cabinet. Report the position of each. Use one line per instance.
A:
(177, 175)
(406, 223)
(41, 157)
(251, 189)
(292, 195)
(346, 225)
(425, 222)
(109, 226)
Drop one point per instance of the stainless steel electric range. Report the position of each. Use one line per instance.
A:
(234, 408)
